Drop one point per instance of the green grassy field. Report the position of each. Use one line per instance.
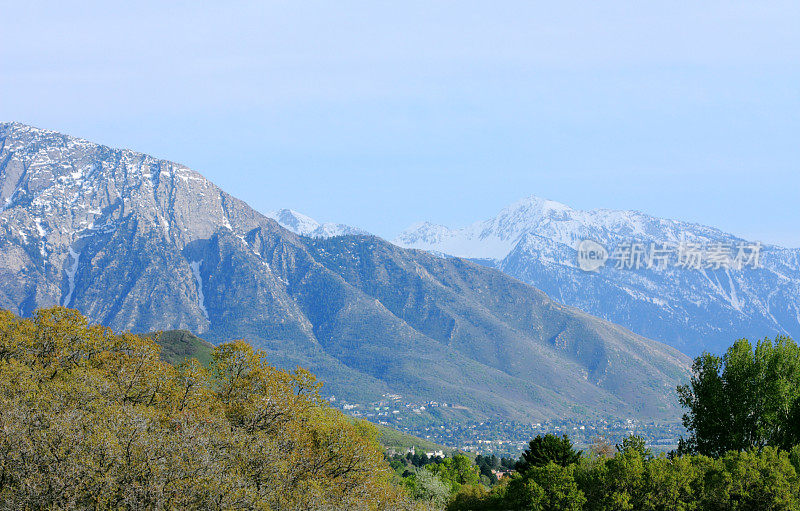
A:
(179, 345)
(392, 439)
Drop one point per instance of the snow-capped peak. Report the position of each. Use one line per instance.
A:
(424, 232)
(534, 203)
(304, 225)
(295, 221)
(496, 237)
(493, 238)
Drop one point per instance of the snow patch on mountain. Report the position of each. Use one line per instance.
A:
(39, 228)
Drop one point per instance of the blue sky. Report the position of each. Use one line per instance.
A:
(380, 114)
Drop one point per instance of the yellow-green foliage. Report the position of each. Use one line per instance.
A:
(94, 419)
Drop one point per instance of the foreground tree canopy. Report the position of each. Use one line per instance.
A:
(94, 419)
(748, 398)
(633, 479)
(545, 449)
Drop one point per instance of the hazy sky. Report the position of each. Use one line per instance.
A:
(380, 114)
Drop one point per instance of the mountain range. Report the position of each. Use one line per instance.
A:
(703, 305)
(143, 244)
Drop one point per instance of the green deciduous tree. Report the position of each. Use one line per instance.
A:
(634, 443)
(456, 471)
(548, 448)
(751, 480)
(426, 486)
(749, 398)
(551, 487)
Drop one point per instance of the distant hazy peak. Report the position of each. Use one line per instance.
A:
(304, 225)
(496, 237)
(535, 203)
(424, 232)
(294, 221)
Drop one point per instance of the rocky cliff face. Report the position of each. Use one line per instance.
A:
(692, 309)
(143, 244)
(82, 223)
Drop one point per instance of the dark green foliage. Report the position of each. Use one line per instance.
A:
(488, 465)
(794, 457)
(748, 398)
(632, 480)
(416, 460)
(494, 462)
(548, 448)
(485, 468)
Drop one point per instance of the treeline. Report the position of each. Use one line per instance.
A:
(416, 460)
(634, 479)
(742, 452)
(94, 419)
(434, 480)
